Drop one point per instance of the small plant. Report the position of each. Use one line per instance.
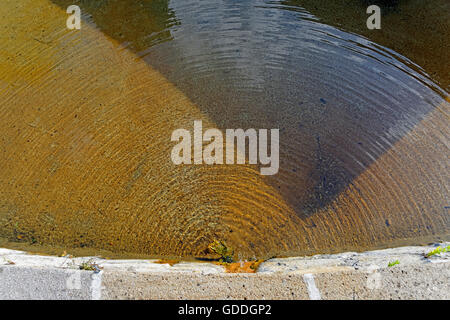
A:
(220, 248)
(393, 263)
(8, 261)
(438, 250)
(66, 255)
(90, 266)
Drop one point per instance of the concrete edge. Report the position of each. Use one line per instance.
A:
(348, 275)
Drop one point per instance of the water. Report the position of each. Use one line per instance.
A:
(363, 127)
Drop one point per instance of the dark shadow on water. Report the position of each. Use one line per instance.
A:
(415, 29)
(139, 24)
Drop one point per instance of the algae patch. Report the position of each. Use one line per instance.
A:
(90, 266)
(220, 248)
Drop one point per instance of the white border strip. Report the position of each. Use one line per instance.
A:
(96, 286)
(313, 292)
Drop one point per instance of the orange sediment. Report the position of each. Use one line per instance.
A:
(242, 267)
(170, 262)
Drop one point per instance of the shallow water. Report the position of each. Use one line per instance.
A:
(87, 118)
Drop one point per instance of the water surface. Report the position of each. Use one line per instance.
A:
(363, 127)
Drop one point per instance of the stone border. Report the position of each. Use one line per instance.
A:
(347, 275)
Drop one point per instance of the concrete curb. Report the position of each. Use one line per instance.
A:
(347, 275)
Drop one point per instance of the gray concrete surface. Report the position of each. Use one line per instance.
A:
(347, 275)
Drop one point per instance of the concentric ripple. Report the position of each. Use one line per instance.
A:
(87, 118)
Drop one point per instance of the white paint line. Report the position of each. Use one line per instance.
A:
(96, 286)
(313, 292)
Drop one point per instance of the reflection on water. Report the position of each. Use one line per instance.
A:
(416, 29)
(143, 24)
(363, 131)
